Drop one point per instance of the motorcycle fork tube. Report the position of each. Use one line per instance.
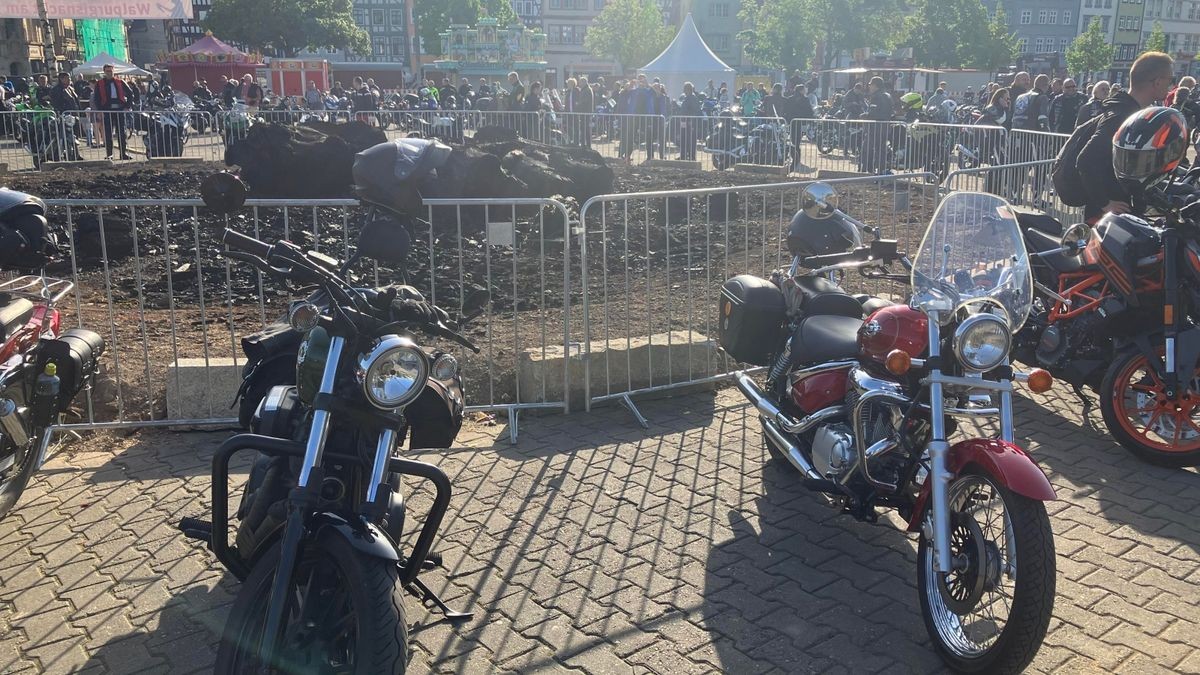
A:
(1171, 311)
(383, 451)
(939, 448)
(301, 502)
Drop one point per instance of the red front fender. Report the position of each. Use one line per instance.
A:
(1004, 461)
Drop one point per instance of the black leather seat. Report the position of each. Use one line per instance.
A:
(1040, 241)
(1039, 222)
(871, 304)
(822, 296)
(14, 313)
(824, 338)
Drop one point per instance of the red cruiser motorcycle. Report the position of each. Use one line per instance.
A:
(864, 411)
(42, 367)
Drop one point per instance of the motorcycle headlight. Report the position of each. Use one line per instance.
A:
(393, 372)
(982, 341)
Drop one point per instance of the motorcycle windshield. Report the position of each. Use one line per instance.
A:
(973, 255)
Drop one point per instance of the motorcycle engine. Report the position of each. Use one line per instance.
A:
(833, 450)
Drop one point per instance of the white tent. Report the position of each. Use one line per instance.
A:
(95, 66)
(688, 59)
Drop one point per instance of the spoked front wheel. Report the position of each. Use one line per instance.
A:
(991, 612)
(1139, 414)
(345, 614)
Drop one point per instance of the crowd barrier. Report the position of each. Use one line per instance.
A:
(653, 264)
(150, 279)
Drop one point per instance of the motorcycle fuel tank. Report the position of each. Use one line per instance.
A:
(894, 327)
(820, 391)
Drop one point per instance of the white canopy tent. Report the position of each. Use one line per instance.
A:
(95, 66)
(688, 59)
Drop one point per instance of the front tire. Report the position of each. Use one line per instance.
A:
(348, 618)
(1139, 415)
(1009, 561)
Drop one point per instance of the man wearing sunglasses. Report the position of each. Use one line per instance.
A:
(1065, 108)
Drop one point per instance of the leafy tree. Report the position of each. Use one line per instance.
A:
(288, 26)
(778, 38)
(999, 47)
(434, 16)
(1157, 42)
(628, 31)
(945, 32)
(1091, 51)
(783, 33)
(500, 10)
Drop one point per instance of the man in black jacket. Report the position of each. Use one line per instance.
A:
(1065, 108)
(1150, 79)
(63, 96)
(880, 110)
(1094, 105)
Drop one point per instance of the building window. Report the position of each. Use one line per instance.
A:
(718, 9)
(1104, 24)
(1087, 4)
(719, 42)
(397, 16)
(1066, 17)
(1023, 46)
(1026, 17)
(1062, 44)
(1053, 16)
(1042, 16)
(377, 17)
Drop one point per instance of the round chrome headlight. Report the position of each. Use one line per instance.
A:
(393, 373)
(982, 342)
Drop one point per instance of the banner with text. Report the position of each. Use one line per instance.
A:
(98, 9)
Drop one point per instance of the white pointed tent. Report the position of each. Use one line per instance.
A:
(95, 66)
(688, 59)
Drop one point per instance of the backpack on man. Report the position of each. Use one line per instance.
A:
(1068, 182)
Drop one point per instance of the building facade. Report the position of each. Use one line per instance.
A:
(718, 23)
(1180, 21)
(529, 12)
(22, 46)
(182, 33)
(566, 23)
(1127, 37)
(148, 39)
(102, 36)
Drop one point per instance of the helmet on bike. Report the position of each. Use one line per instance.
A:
(1149, 145)
(912, 100)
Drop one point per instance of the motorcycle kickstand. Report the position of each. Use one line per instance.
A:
(1083, 398)
(425, 595)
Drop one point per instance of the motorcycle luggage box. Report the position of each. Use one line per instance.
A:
(751, 315)
(75, 354)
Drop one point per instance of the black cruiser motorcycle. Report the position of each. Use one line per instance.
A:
(318, 544)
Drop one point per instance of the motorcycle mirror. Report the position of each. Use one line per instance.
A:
(1074, 239)
(223, 192)
(819, 201)
(386, 240)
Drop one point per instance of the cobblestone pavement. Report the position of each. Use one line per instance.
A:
(597, 547)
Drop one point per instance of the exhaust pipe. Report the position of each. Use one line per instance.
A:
(10, 423)
(771, 417)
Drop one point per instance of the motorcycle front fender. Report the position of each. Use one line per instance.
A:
(1004, 461)
(365, 537)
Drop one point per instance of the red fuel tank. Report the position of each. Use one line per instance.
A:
(820, 391)
(894, 327)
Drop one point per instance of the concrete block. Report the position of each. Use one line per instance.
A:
(632, 364)
(762, 168)
(828, 174)
(3, 167)
(171, 161)
(675, 163)
(199, 388)
(82, 164)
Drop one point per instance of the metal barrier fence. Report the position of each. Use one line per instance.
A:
(653, 263)
(30, 138)
(1024, 185)
(149, 277)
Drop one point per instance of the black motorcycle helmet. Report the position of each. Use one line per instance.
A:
(1149, 145)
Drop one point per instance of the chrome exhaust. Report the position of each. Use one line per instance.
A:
(10, 421)
(771, 417)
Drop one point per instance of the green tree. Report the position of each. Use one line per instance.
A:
(1091, 51)
(1157, 42)
(945, 32)
(999, 47)
(628, 31)
(500, 10)
(288, 26)
(434, 16)
(784, 33)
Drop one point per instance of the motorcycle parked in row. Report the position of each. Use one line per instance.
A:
(50, 137)
(167, 128)
(863, 409)
(733, 140)
(1116, 311)
(42, 365)
(322, 516)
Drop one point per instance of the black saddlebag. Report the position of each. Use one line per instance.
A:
(75, 354)
(750, 319)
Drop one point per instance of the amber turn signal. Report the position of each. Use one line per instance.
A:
(898, 362)
(1040, 381)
